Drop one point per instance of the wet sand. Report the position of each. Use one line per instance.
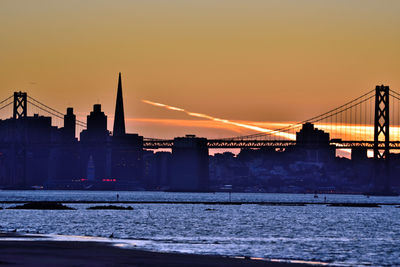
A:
(75, 253)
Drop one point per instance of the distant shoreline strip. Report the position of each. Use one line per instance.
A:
(269, 203)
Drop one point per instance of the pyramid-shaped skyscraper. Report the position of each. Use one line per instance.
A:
(119, 118)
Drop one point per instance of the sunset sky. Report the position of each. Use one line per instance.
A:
(255, 61)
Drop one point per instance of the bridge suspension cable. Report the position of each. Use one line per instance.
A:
(6, 99)
(6, 105)
(2, 105)
(51, 111)
(353, 120)
(342, 119)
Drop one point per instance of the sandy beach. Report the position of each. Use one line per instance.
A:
(75, 253)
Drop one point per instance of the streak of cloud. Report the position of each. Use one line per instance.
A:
(225, 121)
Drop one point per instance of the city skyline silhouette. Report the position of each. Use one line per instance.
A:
(117, 155)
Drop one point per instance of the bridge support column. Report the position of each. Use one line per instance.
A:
(381, 133)
(189, 164)
(20, 107)
(381, 124)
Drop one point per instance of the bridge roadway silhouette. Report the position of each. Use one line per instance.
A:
(150, 143)
(353, 118)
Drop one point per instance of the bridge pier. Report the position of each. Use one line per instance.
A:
(189, 164)
(381, 181)
(381, 176)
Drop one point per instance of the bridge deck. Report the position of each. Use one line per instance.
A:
(222, 143)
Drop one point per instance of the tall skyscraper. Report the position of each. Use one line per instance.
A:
(119, 118)
(95, 146)
(96, 126)
(69, 124)
(97, 120)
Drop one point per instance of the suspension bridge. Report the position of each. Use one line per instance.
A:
(369, 121)
(363, 122)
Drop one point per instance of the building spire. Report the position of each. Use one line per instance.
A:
(119, 118)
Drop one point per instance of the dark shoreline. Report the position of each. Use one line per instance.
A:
(266, 203)
(88, 253)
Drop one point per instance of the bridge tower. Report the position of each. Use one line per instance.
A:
(20, 107)
(381, 133)
(381, 125)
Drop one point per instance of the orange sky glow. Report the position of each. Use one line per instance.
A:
(217, 68)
